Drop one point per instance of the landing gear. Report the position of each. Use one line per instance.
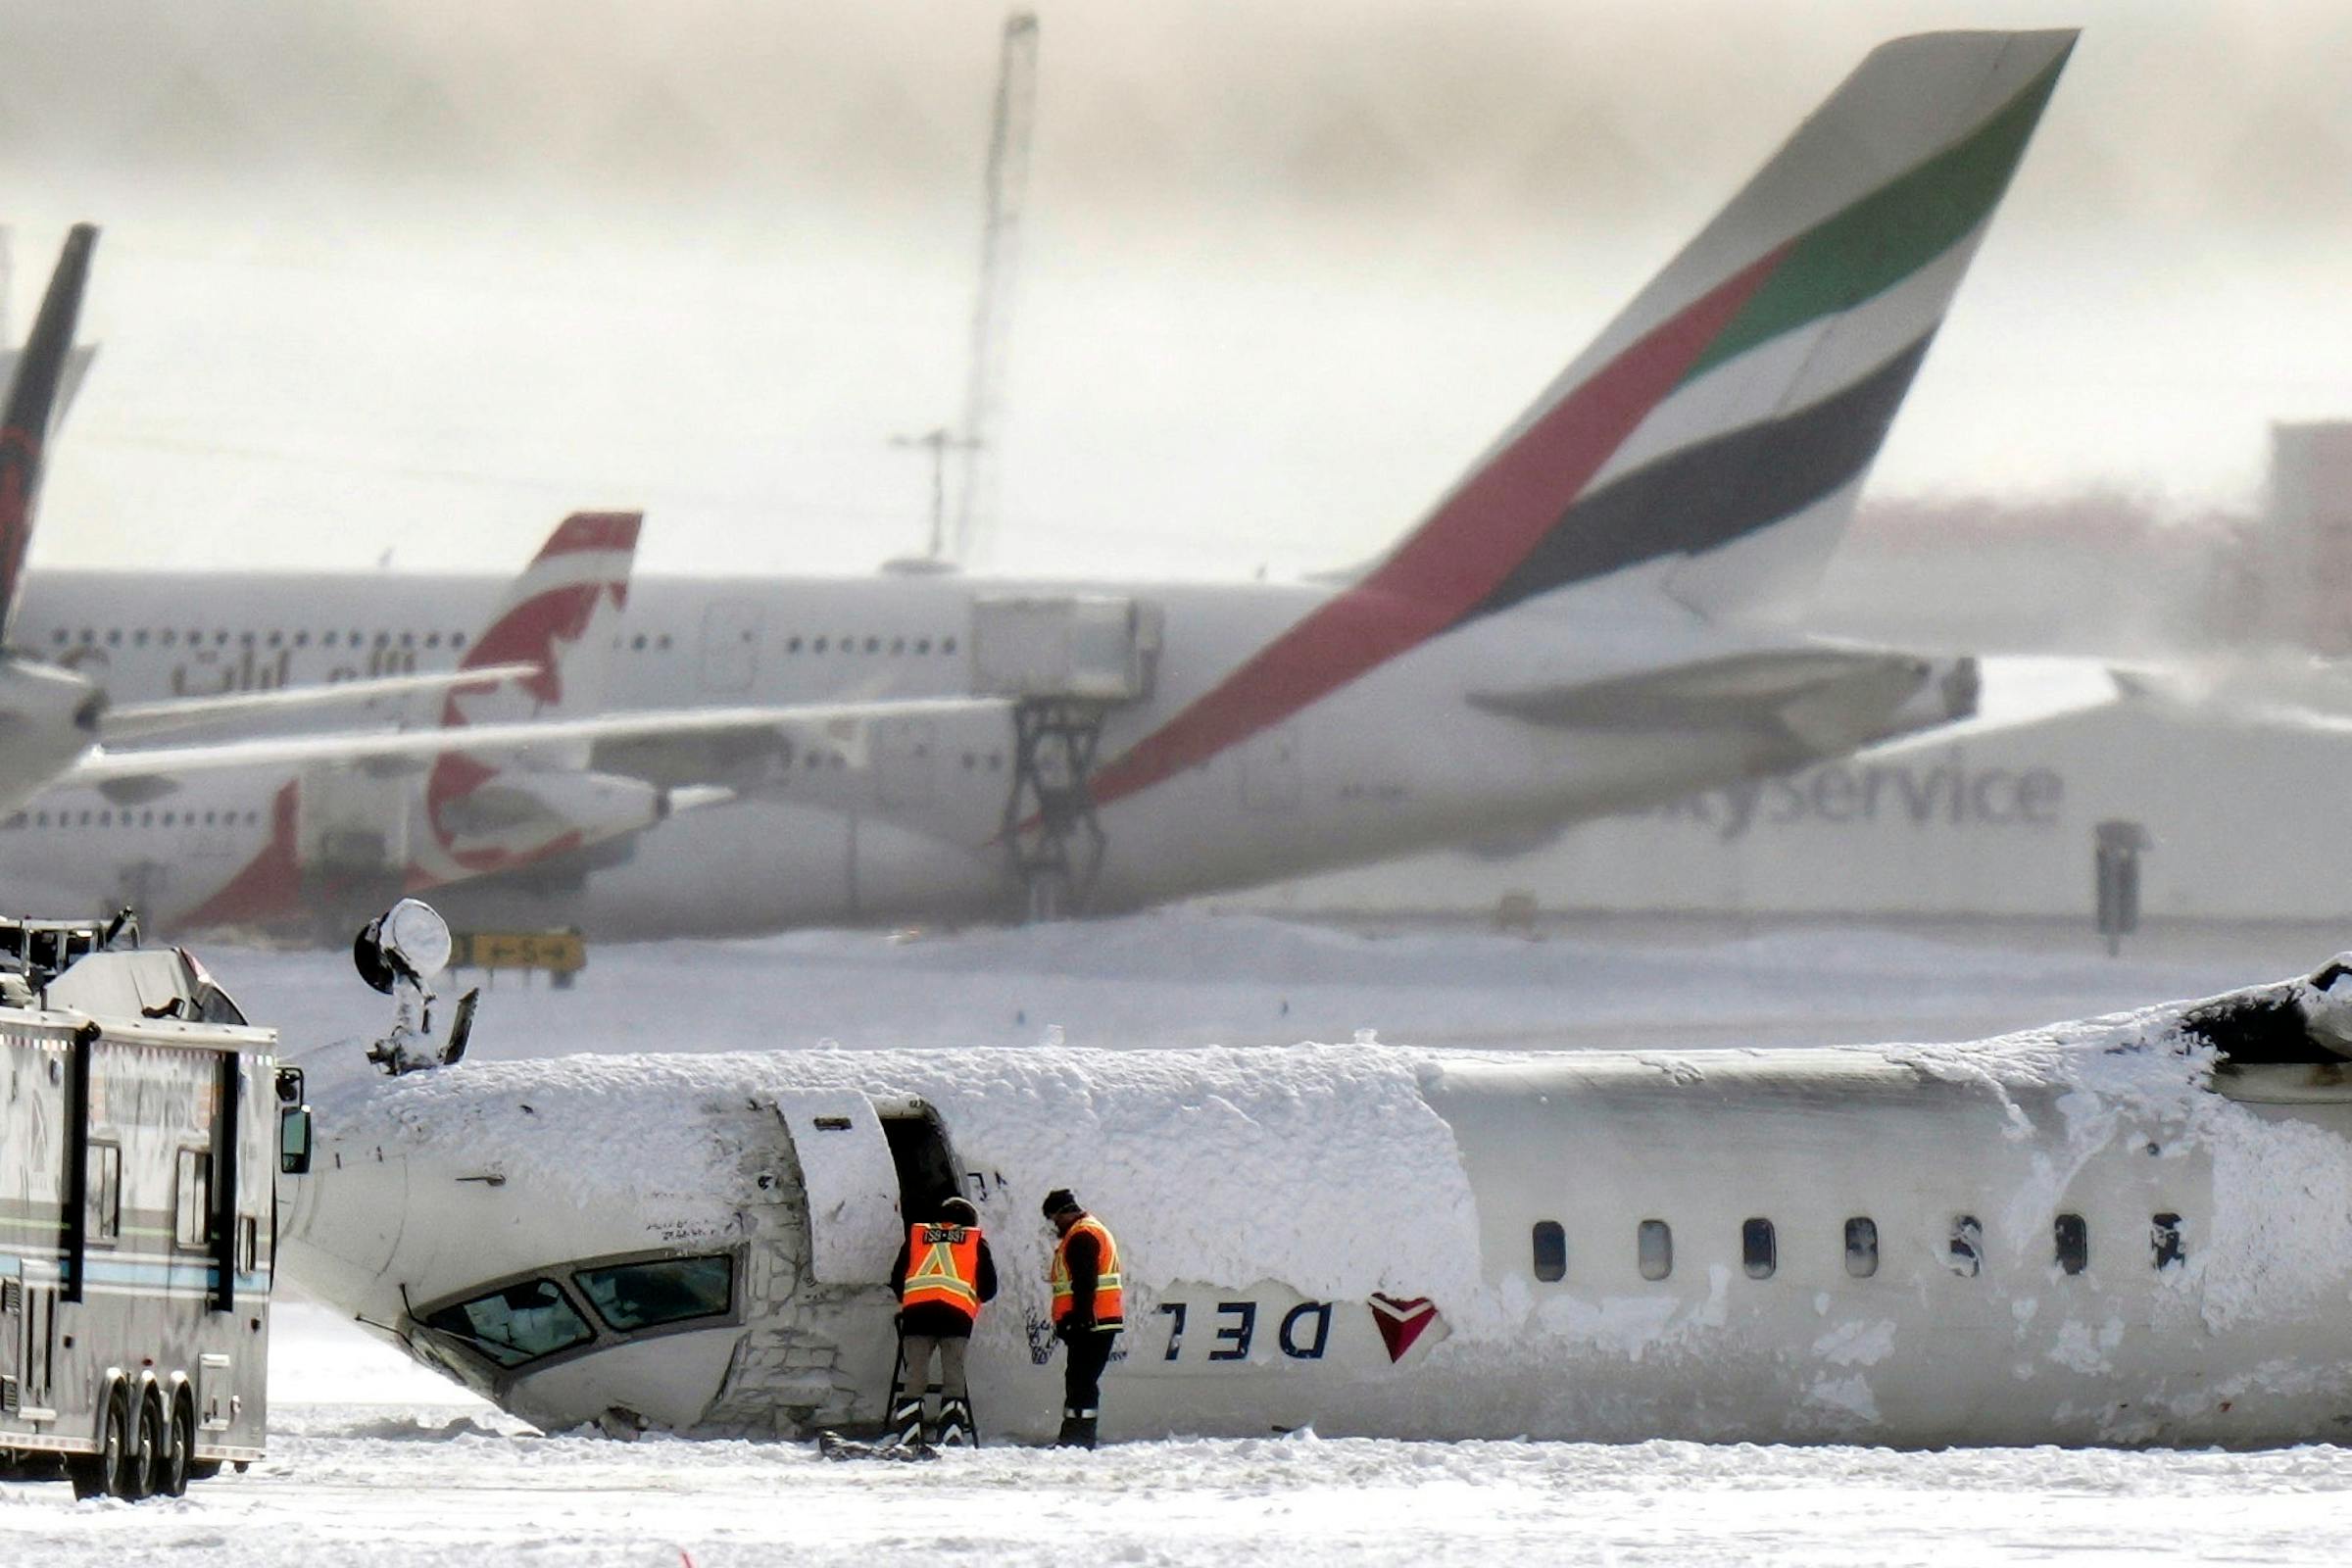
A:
(1050, 827)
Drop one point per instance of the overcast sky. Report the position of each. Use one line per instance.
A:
(424, 275)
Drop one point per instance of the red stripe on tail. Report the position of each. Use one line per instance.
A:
(1477, 534)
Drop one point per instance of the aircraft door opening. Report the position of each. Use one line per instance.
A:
(730, 644)
(924, 1159)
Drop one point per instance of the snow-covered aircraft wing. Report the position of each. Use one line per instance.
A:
(651, 736)
(131, 721)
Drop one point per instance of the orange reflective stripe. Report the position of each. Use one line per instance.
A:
(1110, 1296)
(943, 1266)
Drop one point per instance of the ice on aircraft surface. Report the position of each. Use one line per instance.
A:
(2134, 1230)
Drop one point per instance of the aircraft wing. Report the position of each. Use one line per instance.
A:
(655, 739)
(132, 721)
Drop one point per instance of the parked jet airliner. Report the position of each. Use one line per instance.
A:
(2135, 1230)
(1573, 628)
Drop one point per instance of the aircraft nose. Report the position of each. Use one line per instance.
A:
(345, 1234)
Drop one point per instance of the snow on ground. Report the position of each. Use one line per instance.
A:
(347, 1485)
(374, 1460)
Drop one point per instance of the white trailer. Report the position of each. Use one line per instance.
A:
(142, 1131)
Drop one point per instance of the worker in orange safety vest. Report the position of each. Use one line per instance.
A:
(1089, 1310)
(943, 1274)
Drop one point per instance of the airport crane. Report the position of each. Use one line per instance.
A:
(1007, 197)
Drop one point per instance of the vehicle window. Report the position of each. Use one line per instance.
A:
(1552, 1250)
(1759, 1252)
(1965, 1253)
(669, 1290)
(2073, 1238)
(520, 1322)
(105, 1193)
(1655, 1250)
(192, 1209)
(2164, 1236)
(1861, 1246)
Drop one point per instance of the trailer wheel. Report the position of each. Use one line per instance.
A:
(100, 1474)
(144, 1450)
(93, 1474)
(171, 1469)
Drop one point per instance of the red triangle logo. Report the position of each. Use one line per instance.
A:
(1401, 1323)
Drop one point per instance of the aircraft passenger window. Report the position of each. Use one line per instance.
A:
(40, 819)
(792, 645)
(2073, 1238)
(457, 639)
(1552, 1250)
(245, 639)
(171, 637)
(873, 645)
(817, 646)
(1861, 1246)
(432, 639)
(106, 819)
(192, 1198)
(947, 646)
(58, 636)
(898, 645)
(1655, 1250)
(670, 1289)
(1759, 1252)
(169, 818)
(519, 1323)
(88, 636)
(301, 639)
(970, 761)
(220, 638)
(408, 639)
(1966, 1250)
(85, 819)
(276, 638)
(922, 645)
(113, 637)
(140, 637)
(2164, 1236)
(662, 642)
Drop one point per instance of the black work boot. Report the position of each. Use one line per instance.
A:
(1073, 1434)
(906, 1424)
(956, 1429)
(1086, 1432)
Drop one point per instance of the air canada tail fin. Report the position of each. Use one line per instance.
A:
(32, 399)
(1717, 432)
(561, 616)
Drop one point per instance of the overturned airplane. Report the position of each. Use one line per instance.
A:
(2135, 1230)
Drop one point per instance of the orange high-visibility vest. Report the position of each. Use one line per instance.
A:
(1110, 1301)
(943, 1265)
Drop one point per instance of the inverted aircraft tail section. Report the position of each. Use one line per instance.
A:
(31, 412)
(1712, 440)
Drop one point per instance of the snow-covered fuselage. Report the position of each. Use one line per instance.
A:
(2132, 1230)
(1398, 760)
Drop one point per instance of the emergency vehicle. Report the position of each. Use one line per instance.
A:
(143, 1127)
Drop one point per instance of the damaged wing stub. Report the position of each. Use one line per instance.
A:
(398, 954)
(2284, 1043)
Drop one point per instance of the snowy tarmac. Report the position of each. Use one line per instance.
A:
(375, 1460)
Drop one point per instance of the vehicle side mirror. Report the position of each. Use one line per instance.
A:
(294, 1140)
(289, 1086)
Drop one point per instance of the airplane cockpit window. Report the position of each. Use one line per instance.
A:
(1552, 1250)
(1966, 1253)
(2073, 1236)
(1655, 1250)
(2164, 1236)
(1759, 1250)
(516, 1323)
(669, 1290)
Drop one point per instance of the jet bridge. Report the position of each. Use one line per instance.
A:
(1065, 661)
